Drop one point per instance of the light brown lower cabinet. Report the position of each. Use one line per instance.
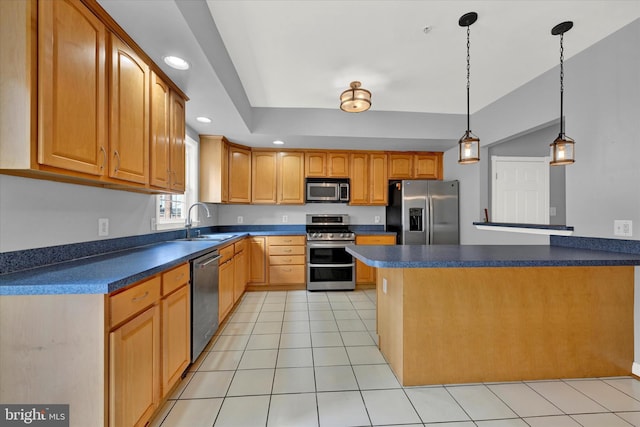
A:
(225, 282)
(286, 259)
(149, 344)
(366, 275)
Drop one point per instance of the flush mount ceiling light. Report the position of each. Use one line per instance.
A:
(176, 62)
(355, 100)
(278, 142)
(469, 144)
(203, 119)
(562, 149)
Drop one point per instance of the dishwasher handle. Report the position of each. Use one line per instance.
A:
(205, 264)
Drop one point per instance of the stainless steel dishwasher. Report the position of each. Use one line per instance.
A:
(204, 301)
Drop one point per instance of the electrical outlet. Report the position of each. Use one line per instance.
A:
(384, 285)
(552, 211)
(623, 227)
(376, 219)
(154, 224)
(103, 227)
(285, 218)
(240, 219)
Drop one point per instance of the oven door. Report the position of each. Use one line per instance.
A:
(329, 266)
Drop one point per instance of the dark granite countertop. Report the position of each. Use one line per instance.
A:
(442, 256)
(104, 274)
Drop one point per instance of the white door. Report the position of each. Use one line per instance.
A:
(520, 189)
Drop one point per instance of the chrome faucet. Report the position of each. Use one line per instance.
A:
(188, 224)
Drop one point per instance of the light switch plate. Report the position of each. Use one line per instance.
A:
(103, 227)
(240, 219)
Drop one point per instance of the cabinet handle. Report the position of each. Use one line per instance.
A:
(288, 270)
(179, 277)
(288, 260)
(287, 241)
(116, 155)
(141, 297)
(169, 176)
(104, 157)
(287, 250)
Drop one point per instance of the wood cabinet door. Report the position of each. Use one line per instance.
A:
(290, 178)
(239, 175)
(428, 166)
(378, 179)
(177, 144)
(225, 289)
(72, 88)
(134, 370)
(129, 136)
(338, 165)
(239, 274)
(400, 166)
(364, 273)
(359, 174)
(159, 138)
(315, 164)
(176, 337)
(264, 173)
(257, 260)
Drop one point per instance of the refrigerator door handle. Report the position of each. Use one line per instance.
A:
(430, 208)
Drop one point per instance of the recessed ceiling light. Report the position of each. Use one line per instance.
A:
(176, 62)
(278, 142)
(203, 119)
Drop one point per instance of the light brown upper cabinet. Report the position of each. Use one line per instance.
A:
(214, 169)
(326, 164)
(167, 145)
(277, 177)
(369, 179)
(177, 136)
(129, 119)
(160, 173)
(424, 165)
(82, 113)
(239, 174)
(72, 95)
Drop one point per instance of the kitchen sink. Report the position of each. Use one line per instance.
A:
(213, 237)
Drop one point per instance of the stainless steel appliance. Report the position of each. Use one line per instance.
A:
(327, 190)
(423, 212)
(329, 266)
(204, 301)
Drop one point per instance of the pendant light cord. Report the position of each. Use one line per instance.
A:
(468, 76)
(561, 84)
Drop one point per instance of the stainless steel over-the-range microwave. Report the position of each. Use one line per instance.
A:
(327, 190)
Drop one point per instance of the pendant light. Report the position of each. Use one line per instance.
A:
(562, 149)
(469, 144)
(356, 99)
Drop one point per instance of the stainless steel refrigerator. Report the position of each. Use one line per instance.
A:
(423, 212)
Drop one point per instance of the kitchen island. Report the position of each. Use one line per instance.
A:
(484, 313)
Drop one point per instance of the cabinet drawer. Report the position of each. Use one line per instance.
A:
(226, 253)
(376, 240)
(173, 279)
(286, 260)
(133, 300)
(286, 250)
(286, 274)
(287, 240)
(240, 246)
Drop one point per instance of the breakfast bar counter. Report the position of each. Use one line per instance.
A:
(485, 313)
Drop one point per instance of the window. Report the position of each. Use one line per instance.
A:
(171, 209)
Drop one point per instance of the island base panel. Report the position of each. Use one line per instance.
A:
(462, 325)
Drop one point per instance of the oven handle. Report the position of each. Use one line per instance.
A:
(340, 244)
(330, 265)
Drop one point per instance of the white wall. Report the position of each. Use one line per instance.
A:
(272, 214)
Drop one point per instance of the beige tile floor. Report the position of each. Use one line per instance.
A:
(310, 359)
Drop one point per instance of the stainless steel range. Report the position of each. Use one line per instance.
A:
(329, 266)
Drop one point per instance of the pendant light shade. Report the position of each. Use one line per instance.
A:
(355, 99)
(562, 149)
(469, 144)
